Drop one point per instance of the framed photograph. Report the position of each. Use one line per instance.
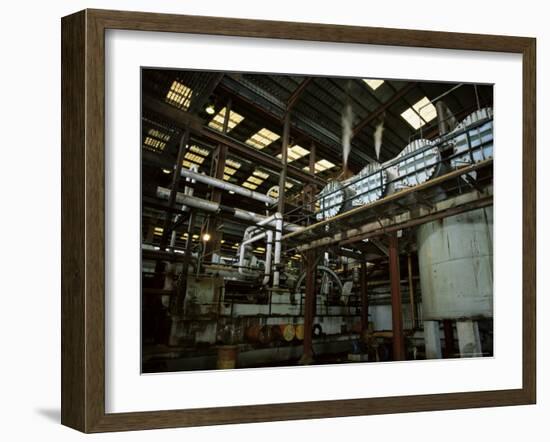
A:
(267, 220)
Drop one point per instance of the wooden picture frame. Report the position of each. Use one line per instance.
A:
(83, 215)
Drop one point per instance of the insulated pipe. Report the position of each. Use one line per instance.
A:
(268, 250)
(211, 206)
(224, 185)
(278, 236)
(248, 239)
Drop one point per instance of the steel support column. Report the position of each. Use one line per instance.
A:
(284, 163)
(397, 314)
(411, 292)
(364, 297)
(177, 301)
(213, 246)
(449, 338)
(309, 307)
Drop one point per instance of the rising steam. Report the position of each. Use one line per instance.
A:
(378, 139)
(347, 121)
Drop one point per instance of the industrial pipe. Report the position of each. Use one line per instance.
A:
(214, 207)
(278, 236)
(224, 185)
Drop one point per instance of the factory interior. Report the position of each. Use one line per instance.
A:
(292, 220)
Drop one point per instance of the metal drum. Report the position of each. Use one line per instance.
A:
(476, 144)
(300, 332)
(333, 199)
(227, 357)
(288, 332)
(369, 185)
(419, 161)
(455, 257)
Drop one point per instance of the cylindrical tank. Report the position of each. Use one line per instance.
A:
(369, 185)
(455, 257)
(333, 199)
(257, 333)
(419, 161)
(300, 332)
(227, 356)
(288, 332)
(476, 144)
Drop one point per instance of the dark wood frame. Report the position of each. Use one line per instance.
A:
(83, 215)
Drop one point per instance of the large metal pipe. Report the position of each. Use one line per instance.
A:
(224, 185)
(211, 206)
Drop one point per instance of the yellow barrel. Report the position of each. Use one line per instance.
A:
(300, 332)
(288, 332)
(227, 357)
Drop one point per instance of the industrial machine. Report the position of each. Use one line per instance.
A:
(255, 305)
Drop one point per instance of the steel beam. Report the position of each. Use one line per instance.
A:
(284, 164)
(364, 297)
(293, 99)
(183, 119)
(397, 314)
(382, 108)
(309, 307)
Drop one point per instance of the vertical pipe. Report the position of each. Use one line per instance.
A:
(284, 162)
(432, 340)
(411, 292)
(177, 301)
(278, 236)
(309, 308)
(160, 265)
(449, 338)
(364, 297)
(397, 314)
(174, 188)
(312, 158)
(212, 248)
(469, 343)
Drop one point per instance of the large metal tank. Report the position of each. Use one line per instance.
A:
(455, 257)
(419, 161)
(476, 144)
(334, 199)
(369, 185)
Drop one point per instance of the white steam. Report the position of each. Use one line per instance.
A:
(347, 121)
(378, 139)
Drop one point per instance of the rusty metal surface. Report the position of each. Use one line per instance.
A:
(449, 249)
(397, 314)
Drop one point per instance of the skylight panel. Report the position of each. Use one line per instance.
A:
(229, 170)
(217, 121)
(199, 150)
(260, 173)
(263, 138)
(373, 83)
(232, 163)
(295, 152)
(253, 179)
(154, 144)
(250, 185)
(321, 166)
(420, 113)
(159, 135)
(179, 95)
(194, 158)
